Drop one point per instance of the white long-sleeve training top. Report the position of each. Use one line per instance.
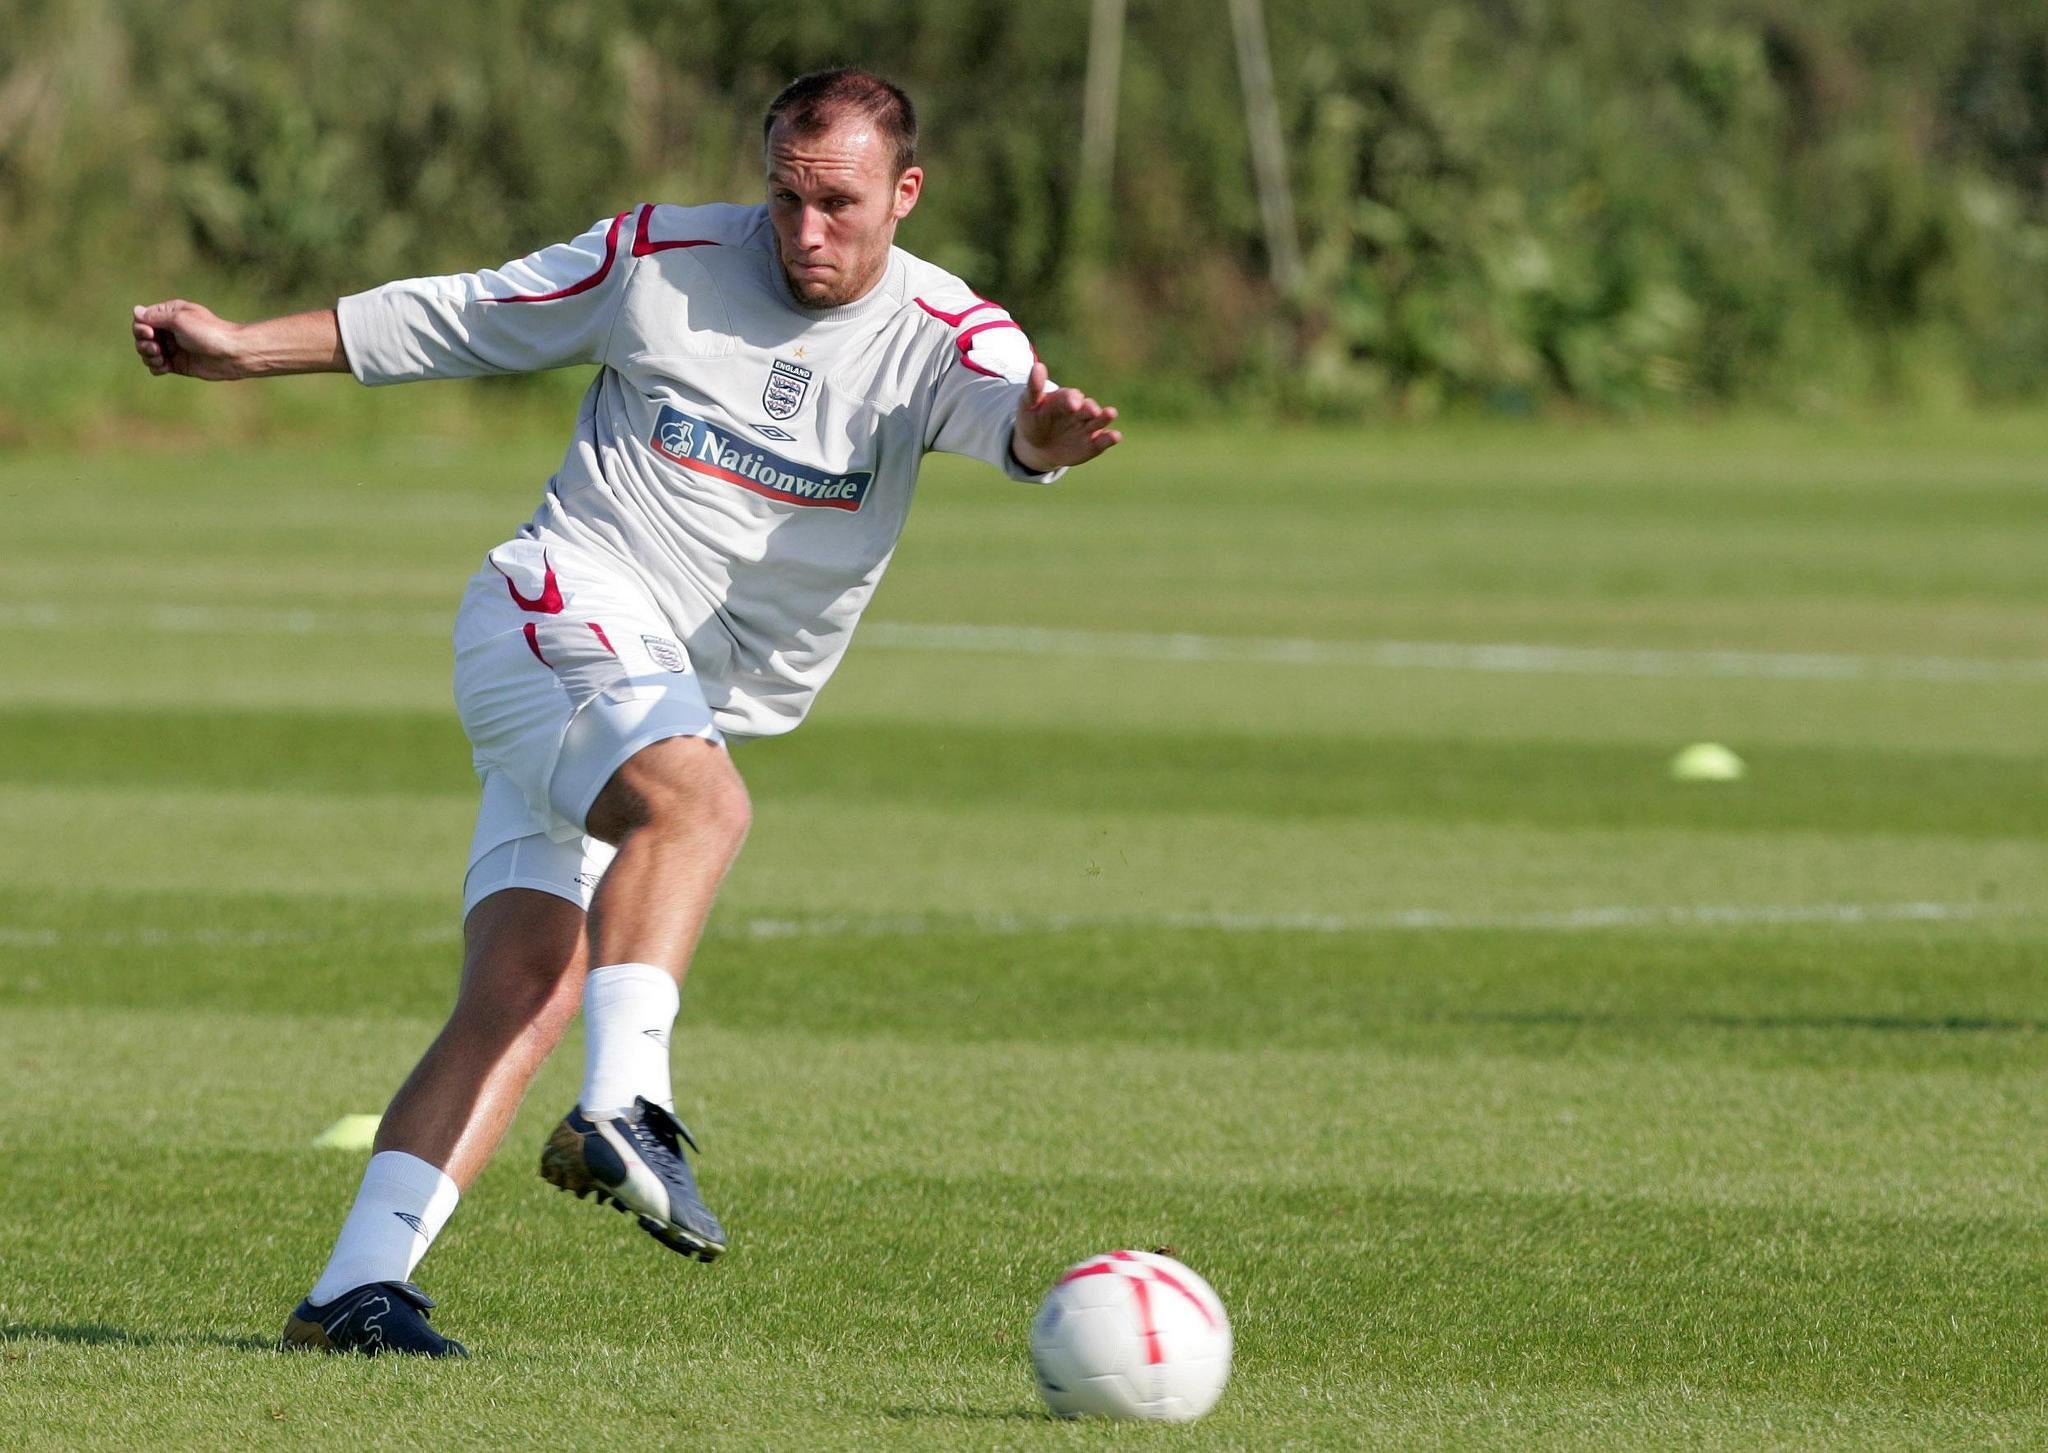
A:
(748, 460)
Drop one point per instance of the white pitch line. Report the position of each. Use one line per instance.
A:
(1567, 920)
(153, 937)
(1505, 657)
(214, 620)
(1449, 656)
(1570, 920)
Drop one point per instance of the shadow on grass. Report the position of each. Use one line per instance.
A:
(1887, 1024)
(98, 1334)
(930, 1414)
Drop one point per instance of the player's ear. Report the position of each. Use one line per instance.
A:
(909, 187)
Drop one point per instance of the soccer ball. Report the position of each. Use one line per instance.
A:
(1131, 1334)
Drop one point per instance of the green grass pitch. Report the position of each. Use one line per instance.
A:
(1171, 863)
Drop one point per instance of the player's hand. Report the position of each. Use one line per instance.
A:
(184, 338)
(1059, 427)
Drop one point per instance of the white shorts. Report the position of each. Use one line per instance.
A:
(563, 669)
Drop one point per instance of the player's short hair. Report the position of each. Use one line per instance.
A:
(814, 103)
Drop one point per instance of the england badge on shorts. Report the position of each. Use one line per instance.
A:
(787, 385)
(666, 653)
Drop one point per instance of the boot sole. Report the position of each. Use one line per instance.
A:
(562, 1166)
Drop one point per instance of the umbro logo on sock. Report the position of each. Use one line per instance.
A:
(659, 1036)
(412, 1221)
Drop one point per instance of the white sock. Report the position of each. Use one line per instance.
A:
(401, 1208)
(628, 1011)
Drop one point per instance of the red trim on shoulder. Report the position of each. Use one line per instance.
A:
(611, 251)
(643, 239)
(533, 645)
(965, 341)
(954, 320)
(967, 337)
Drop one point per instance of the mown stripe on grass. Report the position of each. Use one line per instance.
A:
(289, 750)
(1958, 996)
(1006, 925)
(839, 1107)
(822, 855)
(1511, 657)
(1096, 772)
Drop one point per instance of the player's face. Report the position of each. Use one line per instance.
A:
(835, 199)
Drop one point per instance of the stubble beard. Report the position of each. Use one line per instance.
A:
(833, 291)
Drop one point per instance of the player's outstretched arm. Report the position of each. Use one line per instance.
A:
(185, 338)
(1059, 427)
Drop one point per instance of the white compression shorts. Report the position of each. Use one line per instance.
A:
(563, 670)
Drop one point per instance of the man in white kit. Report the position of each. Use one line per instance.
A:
(771, 377)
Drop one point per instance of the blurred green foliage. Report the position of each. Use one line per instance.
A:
(1518, 204)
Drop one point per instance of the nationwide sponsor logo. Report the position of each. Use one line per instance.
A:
(666, 653)
(787, 385)
(675, 433)
(704, 448)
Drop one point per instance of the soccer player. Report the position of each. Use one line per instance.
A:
(770, 378)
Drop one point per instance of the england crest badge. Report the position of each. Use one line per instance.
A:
(787, 385)
(666, 653)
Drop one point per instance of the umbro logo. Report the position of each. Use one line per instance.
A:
(412, 1221)
(659, 1036)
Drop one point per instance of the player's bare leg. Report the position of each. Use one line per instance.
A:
(677, 812)
(522, 974)
(522, 979)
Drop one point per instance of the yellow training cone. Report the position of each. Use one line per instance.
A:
(1707, 762)
(350, 1132)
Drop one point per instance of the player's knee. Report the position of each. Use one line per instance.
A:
(550, 1016)
(522, 980)
(521, 952)
(680, 788)
(730, 811)
(714, 810)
